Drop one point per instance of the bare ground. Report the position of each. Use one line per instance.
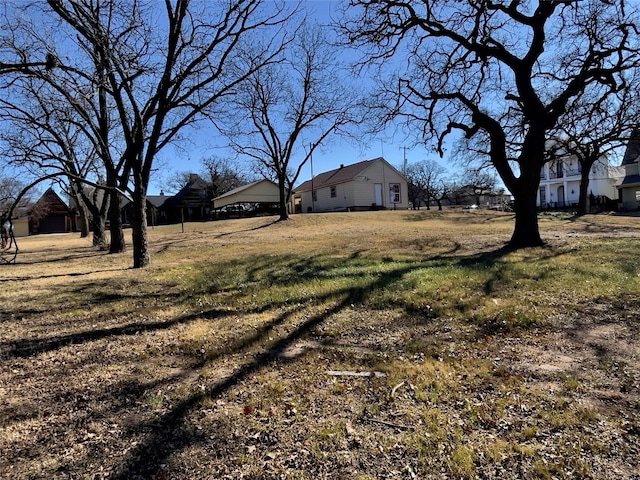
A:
(134, 382)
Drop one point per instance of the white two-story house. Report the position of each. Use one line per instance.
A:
(560, 182)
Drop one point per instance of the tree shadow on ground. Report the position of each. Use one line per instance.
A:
(70, 254)
(170, 433)
(27, 347)
(167, 433)
(167, 244)
(59, 275)
(168, 436)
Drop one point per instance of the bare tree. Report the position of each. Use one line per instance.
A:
(161, 74)
(290, 108)
(224, 174)
(16, 199)
(62, 108)
(442, 191)
(44, 135)
(427, 179)
(502, 71)
(176, 181)
(478, 181)
(9, 190)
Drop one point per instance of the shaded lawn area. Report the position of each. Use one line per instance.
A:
(220, 360)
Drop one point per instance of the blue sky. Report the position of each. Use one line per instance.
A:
(393, 145)
(206, 142)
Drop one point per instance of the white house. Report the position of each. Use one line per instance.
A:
(630, 187)
(560, 182)
(367, 185)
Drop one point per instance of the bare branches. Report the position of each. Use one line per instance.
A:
(502, 72)
(289, 108)
(146, 79)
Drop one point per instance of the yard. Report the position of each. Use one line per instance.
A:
(378, 345)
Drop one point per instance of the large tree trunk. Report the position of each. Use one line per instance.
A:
(526, 232)
(141, 256)
(99, 232)
(84, 219)
(583, 199)
(117, 244)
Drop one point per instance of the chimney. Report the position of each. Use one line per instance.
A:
(342, 165)
(162, 193)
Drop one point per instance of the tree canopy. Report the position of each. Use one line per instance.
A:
(282, 113)
(138, 73)
(503, 73)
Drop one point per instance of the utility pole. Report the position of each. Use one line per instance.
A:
(404, 160)
(313, 203)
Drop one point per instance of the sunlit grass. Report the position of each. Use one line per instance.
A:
(510, 292)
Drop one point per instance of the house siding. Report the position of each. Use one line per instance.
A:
(327, 203)
(630, 190)
(363, 193)
(355, 193)
(57, 217)
(381, 173)
(21, 227)
(264, 191)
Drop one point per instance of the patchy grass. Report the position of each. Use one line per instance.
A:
(215, 361)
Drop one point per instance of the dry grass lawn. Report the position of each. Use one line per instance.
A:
(379, 345)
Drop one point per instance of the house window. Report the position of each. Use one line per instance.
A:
(394, 192)
(314, 195)
(637, 195)
(333, 192)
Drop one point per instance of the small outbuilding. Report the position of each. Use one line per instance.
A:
(262, 192)
(367, 185)
(21, 227)
(20, 219)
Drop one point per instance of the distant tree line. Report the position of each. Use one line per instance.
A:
(431, 184)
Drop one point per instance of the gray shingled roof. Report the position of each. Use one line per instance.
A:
(343, 174)
(633, 148)
(631, 179)
(156, 200)
(240, 189)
